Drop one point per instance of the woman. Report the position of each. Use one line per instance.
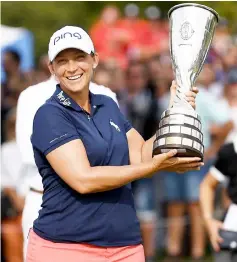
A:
(225, 169)
(87, 155)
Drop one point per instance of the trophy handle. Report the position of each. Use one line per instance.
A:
(185, 78)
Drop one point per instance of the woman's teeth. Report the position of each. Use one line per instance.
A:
(74, 77)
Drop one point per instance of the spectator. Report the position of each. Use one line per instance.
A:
(162, 94)
(229, 100)
(14, 84)
(11, 202)
(141, 111)
(139, 100)
(15, 79)
(209, 79)
(230, 58)
(114, 46)
(158, 35)
(225, 169)
(182, 191)
(137, 29)
(160, 75)
(118, 83)
(43, 73)
(102, 76)
(222, 38)
(211, 116)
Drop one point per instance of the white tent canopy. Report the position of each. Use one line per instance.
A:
(9, 35)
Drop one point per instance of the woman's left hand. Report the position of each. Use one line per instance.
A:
(190, 95)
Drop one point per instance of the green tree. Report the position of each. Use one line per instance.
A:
(43, 18)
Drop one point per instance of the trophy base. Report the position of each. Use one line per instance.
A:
(183, 151)
(179, 129)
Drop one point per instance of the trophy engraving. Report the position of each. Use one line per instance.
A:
(192, 28)
(186, 31)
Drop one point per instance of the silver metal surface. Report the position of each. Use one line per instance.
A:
(194, 132)
(182, 111)
(186, 130)
(187, 142)
(197, 124)
(197, 146)
(175, 129)
(191, 32)
(161, 141)
(173, 140)
(164, 121)
(189, 120)
(195, 5)
(179, 120)
(176, 119)
(164, 130)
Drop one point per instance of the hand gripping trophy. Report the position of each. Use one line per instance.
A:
(191, 31)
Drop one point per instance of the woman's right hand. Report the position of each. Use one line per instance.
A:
(213, 227)
(168, 162)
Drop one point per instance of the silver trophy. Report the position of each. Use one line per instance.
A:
(192, 28)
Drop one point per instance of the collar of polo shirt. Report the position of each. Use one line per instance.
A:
(65, 100)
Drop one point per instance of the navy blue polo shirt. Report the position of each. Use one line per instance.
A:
(102, 219)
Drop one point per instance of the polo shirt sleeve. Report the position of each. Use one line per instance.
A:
(126, 123)
(52, 128)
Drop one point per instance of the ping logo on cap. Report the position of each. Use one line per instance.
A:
(65, 35)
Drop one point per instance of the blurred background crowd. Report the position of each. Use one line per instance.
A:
(133, 45)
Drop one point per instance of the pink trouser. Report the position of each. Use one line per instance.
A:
(41, 250)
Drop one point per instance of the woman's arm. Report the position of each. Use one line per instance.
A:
(70, 162)
(207, 194)
(140, 150)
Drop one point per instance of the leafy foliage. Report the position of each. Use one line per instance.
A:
(43, 18)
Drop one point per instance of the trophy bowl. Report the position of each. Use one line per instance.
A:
(192, 28)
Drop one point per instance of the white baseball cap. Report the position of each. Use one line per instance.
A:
(69, 37)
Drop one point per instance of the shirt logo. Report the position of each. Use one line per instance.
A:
(63, 100)
(57, 138)
(114, 125)
(66, 34)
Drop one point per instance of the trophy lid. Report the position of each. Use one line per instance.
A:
(193, 4)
